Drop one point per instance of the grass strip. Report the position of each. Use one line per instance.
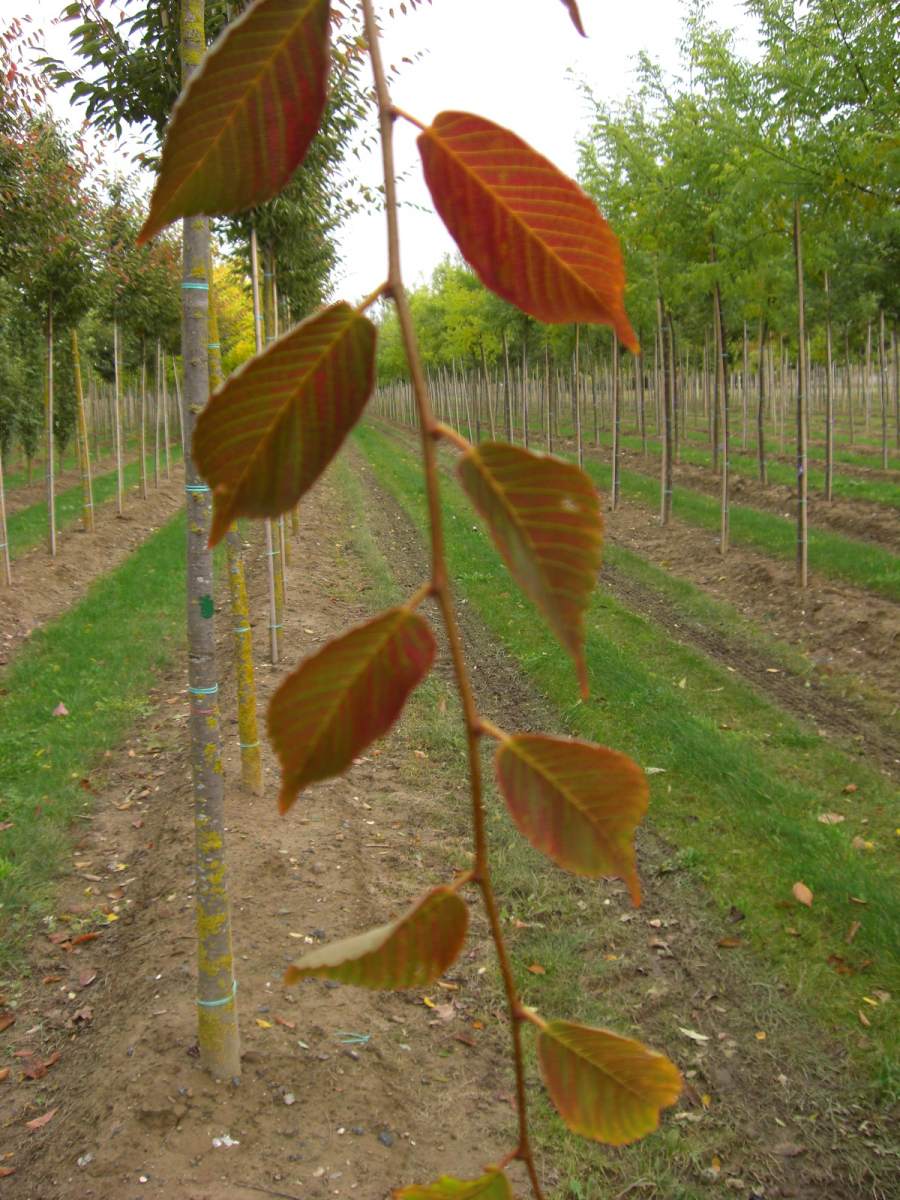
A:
(845, 487)
(741, 784)
(28, 526)
(861, 564)
(99, 659)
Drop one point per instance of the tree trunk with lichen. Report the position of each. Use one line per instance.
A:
(248, 728)
(217, 1029)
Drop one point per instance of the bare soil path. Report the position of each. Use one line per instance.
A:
(345, 1092)
(44, 587)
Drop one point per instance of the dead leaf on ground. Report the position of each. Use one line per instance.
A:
(850, 789)
(83, 1016)
(4, 1074)
(693, 1035)
(5, 825)
(6, 1019)
(860, 843)
(735, 915)
(60, 710)
(84, 937)
(86, 978)
(730, 943)
(537, 969)
(284, 1022)
(36, 1069)
(802, 894)
(852, 932)
(831, 818)
(864, 1020)
(5, 1172)
(40, 1122)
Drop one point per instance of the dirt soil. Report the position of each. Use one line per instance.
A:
(346, 1092)
(44, 587)
(854, 518)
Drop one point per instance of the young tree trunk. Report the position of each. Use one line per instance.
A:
(576, 401)
(270, 540)
(84, 456)
(157, 413)
(179, 407)
(722, 380)
(616, 422)
(524, 393)
(165, 412)
(761, 403)
(867, 383)
(4, 533)
(745, 388)
(665, 506)
(217, 1032)
(883, 391)
(117, 424)
(802, 429)
(507, 391)
(48, 407)
(639, 400)
(829, 398)
(142, 441)
(547, 400)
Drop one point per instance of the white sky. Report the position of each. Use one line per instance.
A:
(508, 60)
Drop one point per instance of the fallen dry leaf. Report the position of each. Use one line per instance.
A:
(263, 1024)
(37, 1069)
(6, 1019)
(730, 943)
(283, 1021)
(84, 937)
(760, 1035)
(857, 900)
(40, 1122)
(850, 789)
(5, 825)
(831, 818)
(465, 1039)
(60, 710)
(864, 1020)
(4, 1074)
(5, 1172)
(802, 894)
(537, 969)
(693, 1035)
(86, 978)
(852, 932)
(51, 979)
(860, 843)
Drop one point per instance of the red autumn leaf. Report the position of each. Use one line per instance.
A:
(529, 232)
(572, 6)
(6, 1019)
(84, 937)
(246, 119)
(410, 952)
(545, 520)
(577, 803)
(40, 1122)
(605, 1087)
(5, 1172)
(267, 435)
(491, 1186)
(339, 700)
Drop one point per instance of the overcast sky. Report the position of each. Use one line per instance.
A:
(512, 61)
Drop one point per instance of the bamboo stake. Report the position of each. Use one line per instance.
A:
(616, 423)
(802, 430)
(829, 397)
(117, 423)
(48, 396)
(270, 551)
(143, 437)
(4, 533)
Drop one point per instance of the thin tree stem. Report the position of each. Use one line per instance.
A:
(429, 429)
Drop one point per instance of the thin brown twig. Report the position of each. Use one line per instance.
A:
(440, 584)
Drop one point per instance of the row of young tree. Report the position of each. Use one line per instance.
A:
(756, 202)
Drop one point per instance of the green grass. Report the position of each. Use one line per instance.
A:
(100, 660)
(19, 477)
(742, 782)
(845, 487)
(28, 527)
(861, 564)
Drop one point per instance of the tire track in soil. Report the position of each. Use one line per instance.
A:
(44, 587)
(846, 720)
(407, 1105)
(779, 1137)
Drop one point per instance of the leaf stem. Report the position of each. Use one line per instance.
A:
(420, 594)
(372, 297)
(450, 435)
(398, 112)
(387, 114)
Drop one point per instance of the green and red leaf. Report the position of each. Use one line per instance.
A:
(605, 1087)
(340, 699)
(493, 1185)
(544, 517)
(572, 6)
(528, 231)
(246, 119)
(410, 952)
(267, 435)
(575, 802)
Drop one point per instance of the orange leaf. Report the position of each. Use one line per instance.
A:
(410, 952)
(6, 1019)
(802, 894)
(492, 1186)
(40, 1122)
(537, 969)
(247, 117)
(339, 700)
(545, 520)
(528, 231)
(577, 803)
(269, 433)
(572, 6)
(605, 1087)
